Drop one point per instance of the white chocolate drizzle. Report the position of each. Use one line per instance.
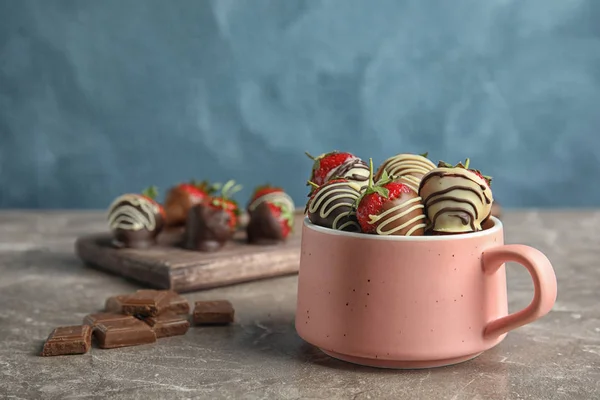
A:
(409, 206)
(280, 198)
(132, 212)
(353, 169)
(409, 167)
(456, 200)
(326, 201)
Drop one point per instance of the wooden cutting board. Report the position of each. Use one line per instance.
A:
(167, 266)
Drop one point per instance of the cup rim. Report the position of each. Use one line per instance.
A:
(463, 236)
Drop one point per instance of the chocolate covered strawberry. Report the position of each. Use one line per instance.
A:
(270, 223)
(457, 199)
(390, 208)
(184, 196)
(271, 215)
(136, 219)
(332, 205)
(225, 203)
(326, 164)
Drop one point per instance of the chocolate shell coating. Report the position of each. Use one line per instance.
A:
(406, 168)
(403, 216)
(456, 200)
(178, 204)
(264, 227)
(206, 228)
(354, 169)
(332, 206)
(135, 221)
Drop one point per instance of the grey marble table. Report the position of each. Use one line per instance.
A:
(43, 285)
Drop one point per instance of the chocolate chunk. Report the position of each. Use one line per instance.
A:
(146, 302)
(264, 227)
(168, 324)
(93, 319)
(68, 340)
(177, 304)
(122, 332)
(218, 312)
(115, 303)
(207, 229)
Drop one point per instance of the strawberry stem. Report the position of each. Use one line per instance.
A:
(150, 192)
(309, 156)
(424, 154)
(309, 183)
(229, 189)
(467, 161)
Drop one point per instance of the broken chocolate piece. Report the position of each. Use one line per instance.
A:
(168, 324)
(68, 340)
(122, 332)
(207, 228)
(145, 303)
(115, 303)
(93, 319)
(177, 304)
(217, 312)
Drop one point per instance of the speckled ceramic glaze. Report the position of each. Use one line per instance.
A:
(412, 302)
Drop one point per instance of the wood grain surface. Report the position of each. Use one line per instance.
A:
(167, 266)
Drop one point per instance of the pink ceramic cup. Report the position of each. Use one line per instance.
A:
(412, 302)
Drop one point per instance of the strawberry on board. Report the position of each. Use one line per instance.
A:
(390, 208)
(270, 222)
(224, 202)
(264, 190)
(136, 219)
(184, 196)
(151, 193)
(325, 164)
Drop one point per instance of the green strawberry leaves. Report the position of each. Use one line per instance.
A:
(205, 186)
(317, 160)
(487, 178)
(150, 192)
(286, 213)
(375, 188)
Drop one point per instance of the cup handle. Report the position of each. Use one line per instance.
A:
(544, 282)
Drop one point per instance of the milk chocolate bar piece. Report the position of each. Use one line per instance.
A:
(168, 324)
(94, 319)
(217, 312)
(177, 304)
(122, 332)
(147, 303)
(115, 303)
(68, 340)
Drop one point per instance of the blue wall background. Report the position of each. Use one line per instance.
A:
(102, 97)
